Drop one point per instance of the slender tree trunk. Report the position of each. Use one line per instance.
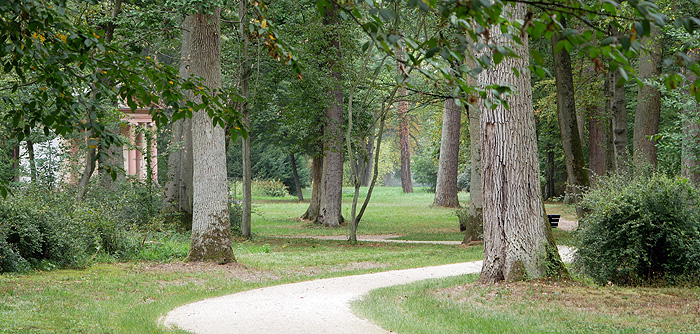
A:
(331, 199)
(316, 175)
(365, 160)
(243, 107)
(178, 189)
(446, 186)
(518, 242)
(32, 160)
(15, 163)
(549, 191)
(568, 125)
(690, 154)
(597, 136)
(211, 227)
(404, 129)
(646, 118)
(619, 122)
(297, 183)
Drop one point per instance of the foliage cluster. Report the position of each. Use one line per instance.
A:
(640, 230)
(44, 229)
(259, 188)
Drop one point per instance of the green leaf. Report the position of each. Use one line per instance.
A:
(432, 51)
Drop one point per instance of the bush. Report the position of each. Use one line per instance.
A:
(425, 171)
(464, 180)
(235, 214)
(643, 230)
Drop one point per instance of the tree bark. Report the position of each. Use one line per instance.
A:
(246, 218)
(332, 180)
(568, 125)
(549, 191)
(15, 163)
(178, 188)
(211, 227)
(619, 122)
(404, 132)
(297, 183)
(518, 242)
(446, 186)
(690, 154)
(32, 160)
(364, 165)
(316, 175)
(597, 136)
(646, 118)
(476, 193)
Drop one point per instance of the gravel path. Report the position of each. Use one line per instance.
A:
(316, 306)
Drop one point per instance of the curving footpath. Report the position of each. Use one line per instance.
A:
(317, 306)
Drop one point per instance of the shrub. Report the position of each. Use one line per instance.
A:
(235, 214)
(425, 172)
(464, 181)
(640, 230)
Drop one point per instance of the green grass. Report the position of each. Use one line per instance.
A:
(452, 305)
(390, 212)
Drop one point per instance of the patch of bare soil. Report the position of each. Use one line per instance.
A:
(676, 308)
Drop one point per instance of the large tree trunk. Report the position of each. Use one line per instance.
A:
(518, 242)
(178, 188)
(446, 186)
(568, 125)
(619, 121)
(646, 118)
(297, 183)
(404, 131)
(476, 193)
(246, 216)
(332, 180)
(211, 227)
(597, 136)
(549, 191)
(316, 176)
(690, 156)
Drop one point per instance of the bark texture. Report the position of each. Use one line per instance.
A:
(518, 241)
(178, 189)
(244, 78)
(597, 137)
(690, 154)
(476, 193)
(568, 125)
(316, 175)
(211, 227)
(446, 186)
(332, 180)
(646, 118)
(404, 131)
(619, 122)
(295, 173)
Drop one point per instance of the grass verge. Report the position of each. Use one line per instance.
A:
(458, 305)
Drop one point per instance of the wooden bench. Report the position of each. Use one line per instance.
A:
(553, 220)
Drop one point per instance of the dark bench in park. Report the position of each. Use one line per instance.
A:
(553, 220)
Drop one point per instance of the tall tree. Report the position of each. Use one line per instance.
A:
(316, 176)
(404, 129)
(597, 134)
(568, 122)
(211, 228)
(476, 192)
(244, 77)
(690, 155)
(619, 115)
(646, 118)
(446, 186)
(518, 241)
(332, 178)
(178, 188)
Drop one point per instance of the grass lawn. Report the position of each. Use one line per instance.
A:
(458, 305)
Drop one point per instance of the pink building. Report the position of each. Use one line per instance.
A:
(139, 124)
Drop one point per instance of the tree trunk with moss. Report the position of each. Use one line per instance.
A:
(518, 242)
(211, 228)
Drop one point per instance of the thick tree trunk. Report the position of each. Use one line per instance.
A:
(646, 118)
(518, 242)
(476, 193)
(316, 175)
(446, 186)
(297, 183)
(619, 122)
(332, 180)
(246, 218)
(597, 136)
(178, 188)
(211, 227)
(690, 155)
(568, 125)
